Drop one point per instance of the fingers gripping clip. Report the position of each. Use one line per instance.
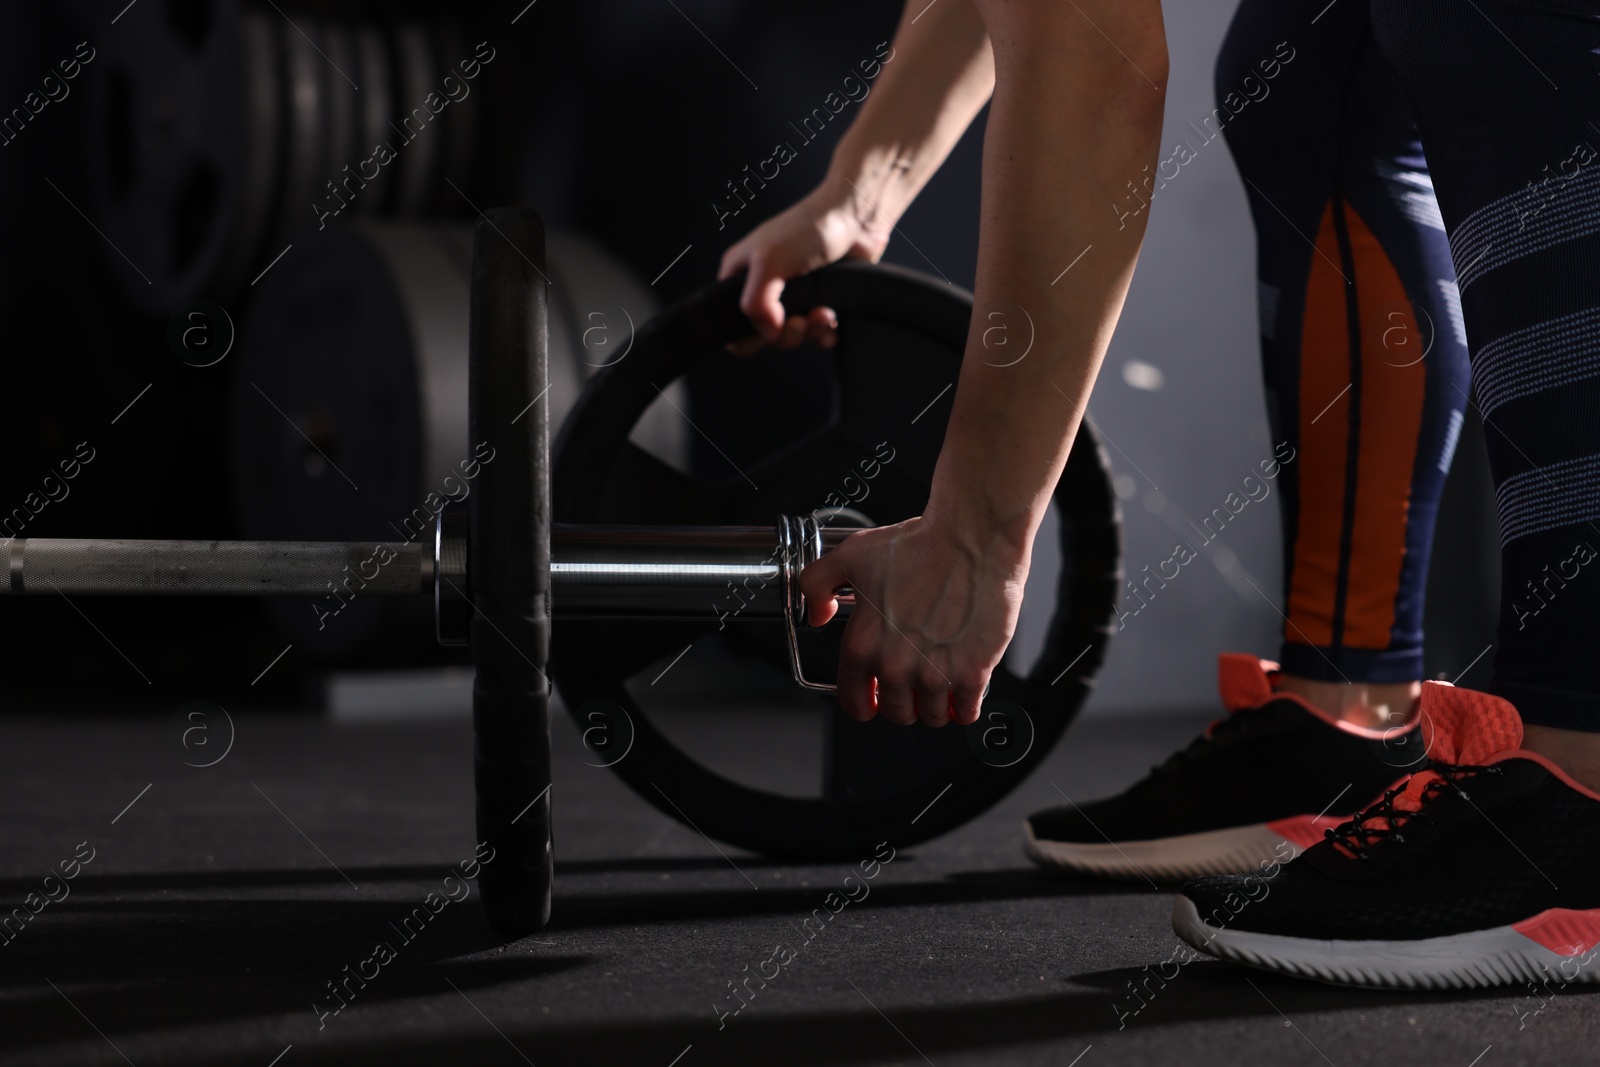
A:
(800, 543)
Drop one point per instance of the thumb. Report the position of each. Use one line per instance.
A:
(734, 260)
(760, 300)
(817, 583)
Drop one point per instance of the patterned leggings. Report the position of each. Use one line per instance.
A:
(1366, 327)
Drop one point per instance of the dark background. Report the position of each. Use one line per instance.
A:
(623, 121)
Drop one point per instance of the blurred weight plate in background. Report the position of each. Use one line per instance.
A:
(218, 128)
(350, 398)
(180, 134)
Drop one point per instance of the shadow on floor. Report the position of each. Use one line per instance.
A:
(145, 952)
(147, 965)
(679, 905)
(868, 1035)
(665, 864)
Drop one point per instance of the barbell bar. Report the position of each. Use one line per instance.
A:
(597, 571)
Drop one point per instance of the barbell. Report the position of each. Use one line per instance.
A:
(637, 558)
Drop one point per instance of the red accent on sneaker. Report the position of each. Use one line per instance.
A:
(1303, 831)
(1460, 727)
(1562, 930)
(1468, 726)
(1242, 680)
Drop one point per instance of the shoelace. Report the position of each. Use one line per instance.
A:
(1387, 819)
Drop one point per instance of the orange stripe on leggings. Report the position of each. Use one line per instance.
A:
(1393, 383)
(1393, 387)
(1323, 446)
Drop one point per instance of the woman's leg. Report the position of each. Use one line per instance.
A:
(1481, 869)
(1363, 353)
(1365, 373)
(1508, 94)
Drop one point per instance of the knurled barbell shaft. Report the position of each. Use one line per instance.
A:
(645, 572)
(79, 566)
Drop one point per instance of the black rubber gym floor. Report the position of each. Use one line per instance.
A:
(220, 902)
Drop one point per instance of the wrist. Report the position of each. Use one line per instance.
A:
(999, 535)
(872, 186)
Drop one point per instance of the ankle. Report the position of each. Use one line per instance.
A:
(1375, 706)
(1575, 751)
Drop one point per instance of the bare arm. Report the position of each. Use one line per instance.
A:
(1078, 100)
(1078, 91)
(1076, 116)
(922, 105)
(936, 80)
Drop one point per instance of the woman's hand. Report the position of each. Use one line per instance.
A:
(934, 613)
(824, 227)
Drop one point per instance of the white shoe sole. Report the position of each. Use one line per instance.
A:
(1482, 958)
(1237, 850)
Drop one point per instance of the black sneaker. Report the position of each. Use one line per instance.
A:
(1257, 788)
(1477, 871)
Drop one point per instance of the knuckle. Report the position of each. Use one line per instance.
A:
(856, 648)
(893, 679)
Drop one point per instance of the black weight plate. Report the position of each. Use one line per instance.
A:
(330, 424)
(509, 561)
(305, 79)
(168, 157)
(377, 103)
(419, 144)
(342, 111)
(263, 134)
(460, 123)
(901, 340)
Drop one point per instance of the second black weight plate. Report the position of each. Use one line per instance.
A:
(901, 339)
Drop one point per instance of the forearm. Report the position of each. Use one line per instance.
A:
(940, 76)
(1074, 119)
